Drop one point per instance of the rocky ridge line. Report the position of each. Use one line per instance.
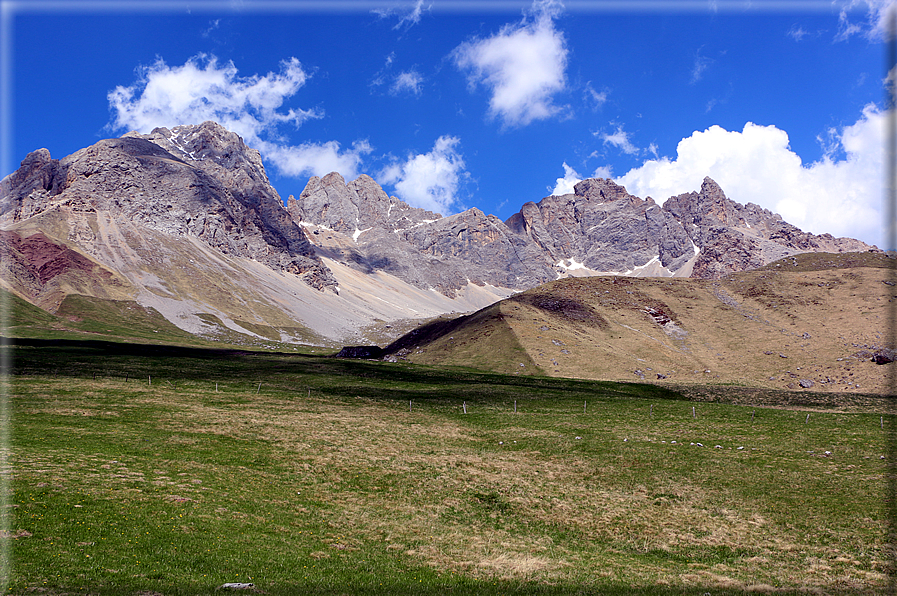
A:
(200, 181)
(598, 229)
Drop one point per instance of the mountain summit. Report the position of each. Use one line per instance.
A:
(193, 181)
(599, 229)
(185, 220)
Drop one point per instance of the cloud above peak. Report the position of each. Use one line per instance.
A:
(430, 180)
(252, 106)
(522, 66)
(204, 89)
(840, 194)
(564, 186)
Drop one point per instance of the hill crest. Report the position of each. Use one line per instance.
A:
(807, 321)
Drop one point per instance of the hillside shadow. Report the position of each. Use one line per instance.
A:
(344, 377)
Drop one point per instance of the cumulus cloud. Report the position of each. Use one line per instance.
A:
(206, 89)
(315, 159)
(523, 66)
(202, 89)
(571, 178)
(429, 180)
(564, 186)
(603, 172)
(839, 194)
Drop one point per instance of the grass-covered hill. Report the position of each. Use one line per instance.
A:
(807, 322)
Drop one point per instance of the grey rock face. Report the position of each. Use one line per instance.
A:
(199, 181)
(25, 192)
(734, 237)
(418, 246)
(604, 227)
(599, 225)
(358, 205)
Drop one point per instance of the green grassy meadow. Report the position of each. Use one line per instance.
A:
(162, 470)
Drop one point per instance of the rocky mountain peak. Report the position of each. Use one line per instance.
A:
(734, 237)
(601, 190)
(708, 207)
(358, 205)
(37, 178)
(203, 182)
(208, 141)
(200, 181)
(603, 228)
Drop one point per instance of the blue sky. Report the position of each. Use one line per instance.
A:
(451, 105)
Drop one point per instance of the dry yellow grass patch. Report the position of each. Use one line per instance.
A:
(728, 331)
(428, 502)
(438, 490)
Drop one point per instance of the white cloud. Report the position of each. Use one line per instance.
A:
(701, 64)
(797, 32)
(596, 98)
(408, 81)
(522, 66)
(315, 159)
(204, 89)
(410, 14)
(564, 186)
(875, 27)
(890, 82)
(840, 194)
(603, 172)
(619, 139)
(429, 180)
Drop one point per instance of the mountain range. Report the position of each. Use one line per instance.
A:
(185, 221)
